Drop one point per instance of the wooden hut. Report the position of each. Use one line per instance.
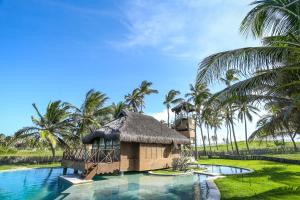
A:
(132, 142)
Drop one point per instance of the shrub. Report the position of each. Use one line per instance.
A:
(180, 163)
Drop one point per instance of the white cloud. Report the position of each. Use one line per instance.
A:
(163, 115)
(184, 28)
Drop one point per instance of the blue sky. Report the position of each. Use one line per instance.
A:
(59, 49)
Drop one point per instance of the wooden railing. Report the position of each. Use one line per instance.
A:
(93, 156)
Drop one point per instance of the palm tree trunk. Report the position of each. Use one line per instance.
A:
(216, 138)
(230, 132)
(208, 138)
(293, 140)
(235, 142)
(202, 136)
(168, 116)
(196, 150)
(227, 139)
(246, 134)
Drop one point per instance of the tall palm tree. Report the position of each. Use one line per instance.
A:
(117, 108)
(92, 114)
(136, 99)
(271, 71)
(199, 93)
(216, 124)
(52, 127)
(230, 77)
(170, 99)
(145, 89)
(133, 100)
(245, 111)
(207, 119)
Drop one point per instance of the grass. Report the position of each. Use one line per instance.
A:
(294, 156)
(24, 166)
(270, 180)
(167, 172)
(252, 145)
(27, 153)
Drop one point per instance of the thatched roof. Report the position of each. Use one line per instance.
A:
(136, 127)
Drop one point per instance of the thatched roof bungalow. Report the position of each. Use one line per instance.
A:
(138, 142)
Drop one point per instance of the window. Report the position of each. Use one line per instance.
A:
(95, 144)
(102, 143)
(108, 144)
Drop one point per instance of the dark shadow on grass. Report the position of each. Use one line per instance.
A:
(278, 193)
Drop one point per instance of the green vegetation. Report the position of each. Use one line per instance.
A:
(252, 145)
(294, 156)
(168, 172)
(29, 153)
(25, 166)
(270, 180)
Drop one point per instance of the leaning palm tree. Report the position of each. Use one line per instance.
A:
(133, 100)
(92, 114)
(245, 111)
(170, 99)
(272, 71)
(117, 109)
(145, 89)
(52, 127)
(199, 93)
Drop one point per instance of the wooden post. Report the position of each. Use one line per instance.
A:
(65, 170)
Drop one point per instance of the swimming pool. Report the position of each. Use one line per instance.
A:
(46, 184)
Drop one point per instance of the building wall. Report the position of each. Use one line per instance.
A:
(156, 156)
(129, 156)
(142, 157)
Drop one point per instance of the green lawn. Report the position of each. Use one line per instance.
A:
(270, 180)
(294, 156)
(26, 153)
(252, 145)
(24, 166)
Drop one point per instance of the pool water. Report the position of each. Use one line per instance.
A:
(46, 184)
(225, 170)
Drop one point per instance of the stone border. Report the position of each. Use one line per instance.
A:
(74, 179)
(213, 190)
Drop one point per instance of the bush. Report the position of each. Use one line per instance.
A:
(180, 164)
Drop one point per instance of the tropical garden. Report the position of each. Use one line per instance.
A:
(263, 78)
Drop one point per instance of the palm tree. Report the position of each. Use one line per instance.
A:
(230, 77)
(207, 119)
(133, 100)
(170, 99)
(271, 71)
(117, 109)
(52, 127)
(244, 113)
(199, 93)
(92, 114)
(216, 124)
(145, 89)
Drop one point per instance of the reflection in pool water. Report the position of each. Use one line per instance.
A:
(226, 170)
(45, 184)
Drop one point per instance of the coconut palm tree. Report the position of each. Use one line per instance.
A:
(245, 111)
(133, 100)
(136, 99)
(117, 108)
(92, 114)
(199, 94)
(170, 99)
(52, 127)
(272, 71)
(145, 89)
